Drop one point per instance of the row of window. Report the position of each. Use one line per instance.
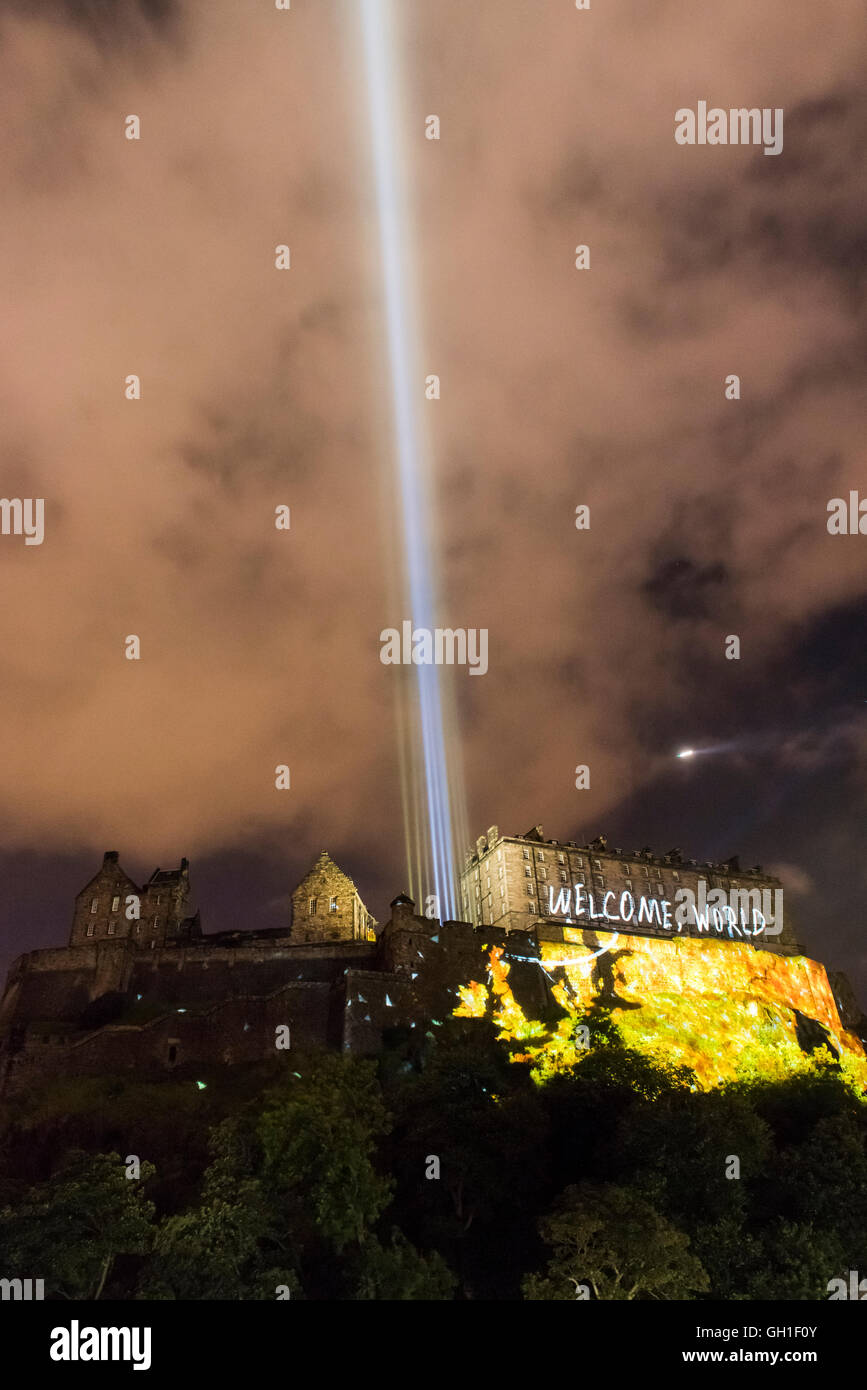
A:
(111, 929)
(577, 863)
(561, 858)
(94, 907)
(599, 885)
(597, 865)
(115, 903)
(313, 906)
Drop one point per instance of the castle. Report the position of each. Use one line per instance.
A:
(141, 988)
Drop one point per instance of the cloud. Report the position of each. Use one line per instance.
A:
(795, 880)
(603, 387)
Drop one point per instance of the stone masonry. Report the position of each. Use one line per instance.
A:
(152, 994)
(507, 880)
(326, 906)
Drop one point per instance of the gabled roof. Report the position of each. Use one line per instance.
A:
(109, 861)
(324, 861)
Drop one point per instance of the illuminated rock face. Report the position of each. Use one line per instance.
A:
(721, 1008)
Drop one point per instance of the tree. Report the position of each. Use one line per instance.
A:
(318, 1134)
(398, 1272)
(214, 1252)
(823, 1180)
(676, 1153)
(616, 1243)
(236, 1244)
(71, 1229)
(798, 1259)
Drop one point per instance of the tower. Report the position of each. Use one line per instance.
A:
(326, 906)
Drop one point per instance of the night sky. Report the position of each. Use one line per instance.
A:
(560, 387)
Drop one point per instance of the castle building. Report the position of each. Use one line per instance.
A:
(326, 906)
(112, 905)
(518, 881)
(141, 988)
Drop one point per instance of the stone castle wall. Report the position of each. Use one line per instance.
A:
(105, 1004)
(242, 1029)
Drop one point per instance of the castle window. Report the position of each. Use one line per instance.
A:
(115, 904)
(332, 907)
(90, 927)
(111, 927)
(526, 854)
(540, 854)
(646, 871)
(579, 860)
(93, 906)
(628, 882)
(675, 875)
(530, 893)
(561, 859)
(660, 890)
(528, 871)
(563, 877)
(659, 873)
(138, 928)
(597, 863)
(312, 907)
(543, 872)
(172, 1054)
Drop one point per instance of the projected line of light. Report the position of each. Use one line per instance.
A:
(380, 60)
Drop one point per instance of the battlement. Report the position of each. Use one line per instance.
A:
(162, 998)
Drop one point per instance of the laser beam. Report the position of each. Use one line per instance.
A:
(399, 288)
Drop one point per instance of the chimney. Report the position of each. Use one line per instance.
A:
(110, 856)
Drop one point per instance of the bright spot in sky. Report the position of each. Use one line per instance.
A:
(687, 753)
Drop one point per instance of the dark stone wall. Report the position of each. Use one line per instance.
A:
(221, 1003)
(239, 1030)
(204, 973)
(52, 994)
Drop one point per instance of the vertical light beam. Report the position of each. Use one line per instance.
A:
(386, 123)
